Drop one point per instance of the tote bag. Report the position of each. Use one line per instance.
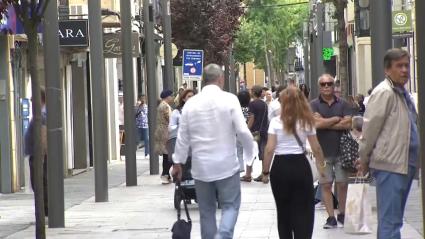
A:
(181, 229)
(358, 210)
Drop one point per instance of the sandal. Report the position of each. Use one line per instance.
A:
(246, 178)
(259, 178)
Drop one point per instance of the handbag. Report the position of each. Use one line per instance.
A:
(181, 229)
(349, 152)
(256, 136)
(309, 157)
(358, 210)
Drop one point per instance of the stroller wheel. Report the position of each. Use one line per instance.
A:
(177, 199)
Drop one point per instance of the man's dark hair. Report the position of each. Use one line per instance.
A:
(280, 89)
(394, 54)
(257, 90)
(337, 82)
(265, 88)
(244, 98)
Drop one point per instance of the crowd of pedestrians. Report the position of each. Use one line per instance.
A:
(223, 134)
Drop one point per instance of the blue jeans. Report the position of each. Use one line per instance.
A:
(392, 190)
(228, 193)
(144, 135)
(239, 154)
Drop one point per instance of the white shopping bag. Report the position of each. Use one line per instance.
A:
(358, 210)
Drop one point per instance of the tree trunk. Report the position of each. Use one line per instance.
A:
(340, 6)
(273, 71)
(244, 75)
(281, 77)
(268, 68)
(38, 152)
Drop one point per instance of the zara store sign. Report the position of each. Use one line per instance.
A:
(73, 33)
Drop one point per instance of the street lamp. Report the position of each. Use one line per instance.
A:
(362, 18)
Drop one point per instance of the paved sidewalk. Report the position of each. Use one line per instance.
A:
(17, 209)
(146, 211)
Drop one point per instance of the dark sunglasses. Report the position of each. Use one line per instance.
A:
(323, 84)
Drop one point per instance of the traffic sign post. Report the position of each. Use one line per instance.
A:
(402, 21)
(193, 64)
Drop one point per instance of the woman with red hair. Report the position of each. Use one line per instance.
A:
(290, 175)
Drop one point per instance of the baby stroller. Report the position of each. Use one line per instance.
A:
(187, 185)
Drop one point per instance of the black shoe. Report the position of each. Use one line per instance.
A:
(340, 218)
(330, 223)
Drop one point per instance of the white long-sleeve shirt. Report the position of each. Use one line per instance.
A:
(209, 125)
(173, 126)
(274, 109)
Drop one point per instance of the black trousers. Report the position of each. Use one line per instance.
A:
(292, 186)
(166, 165)
(32, 175)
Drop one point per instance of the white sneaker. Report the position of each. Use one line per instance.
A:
(147, 156)
(165, 179)
(320, 206)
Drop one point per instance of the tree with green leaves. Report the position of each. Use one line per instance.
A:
(267, 30)
(30, 13)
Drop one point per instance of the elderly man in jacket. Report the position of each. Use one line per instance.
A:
(390, 143)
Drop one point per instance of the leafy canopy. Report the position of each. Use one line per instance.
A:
(269, 25)
(206, 25)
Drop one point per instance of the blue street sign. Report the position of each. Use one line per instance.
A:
(25, 107)
(193, 63)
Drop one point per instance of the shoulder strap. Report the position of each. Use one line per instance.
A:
(299, 142)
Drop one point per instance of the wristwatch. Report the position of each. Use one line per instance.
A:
(266, 173)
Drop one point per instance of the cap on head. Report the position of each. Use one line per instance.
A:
(166, 93)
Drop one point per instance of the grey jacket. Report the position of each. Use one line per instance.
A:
(386, 130)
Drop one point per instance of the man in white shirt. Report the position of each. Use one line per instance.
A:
(210, 123)
(274, 106)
